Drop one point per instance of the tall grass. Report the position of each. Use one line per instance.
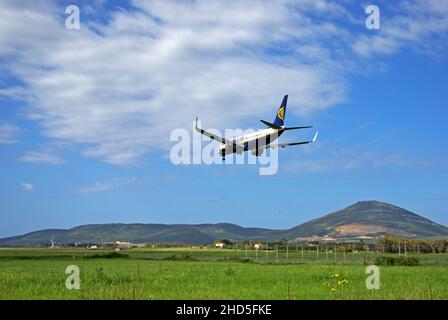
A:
(130, 278)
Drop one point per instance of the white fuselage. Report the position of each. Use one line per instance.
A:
(254, 141)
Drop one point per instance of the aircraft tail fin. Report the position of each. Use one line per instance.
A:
(280, 117)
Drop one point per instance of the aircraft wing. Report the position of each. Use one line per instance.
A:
(284, 145)
(211, 135)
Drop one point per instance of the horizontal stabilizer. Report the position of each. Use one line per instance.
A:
(295, 128)
(273, 126)
(270, 125)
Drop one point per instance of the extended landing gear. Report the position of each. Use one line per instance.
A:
(258, 152)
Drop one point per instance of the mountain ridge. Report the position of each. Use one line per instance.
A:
(361, 220)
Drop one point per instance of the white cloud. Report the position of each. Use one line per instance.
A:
(118, 89)
(27, 186)
(37, 157)
(9, 133)
(413, 23)
(109, 185)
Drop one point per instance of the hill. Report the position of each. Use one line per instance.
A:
(368, 219)
(362, 220)
(140, 233)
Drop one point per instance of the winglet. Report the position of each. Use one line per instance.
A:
(315, 136)
(196, 123)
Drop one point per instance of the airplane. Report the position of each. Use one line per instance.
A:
(256, 142)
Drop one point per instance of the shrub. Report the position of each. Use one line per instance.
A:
(111, 255)
(396, 261)
(183, 257)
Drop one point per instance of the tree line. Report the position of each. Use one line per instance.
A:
(388, 244)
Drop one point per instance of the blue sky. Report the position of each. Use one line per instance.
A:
(86, 115)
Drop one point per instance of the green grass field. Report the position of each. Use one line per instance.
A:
(213, 274)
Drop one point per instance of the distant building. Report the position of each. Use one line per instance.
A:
(221, 243)
(127, 245)
(53, 245)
